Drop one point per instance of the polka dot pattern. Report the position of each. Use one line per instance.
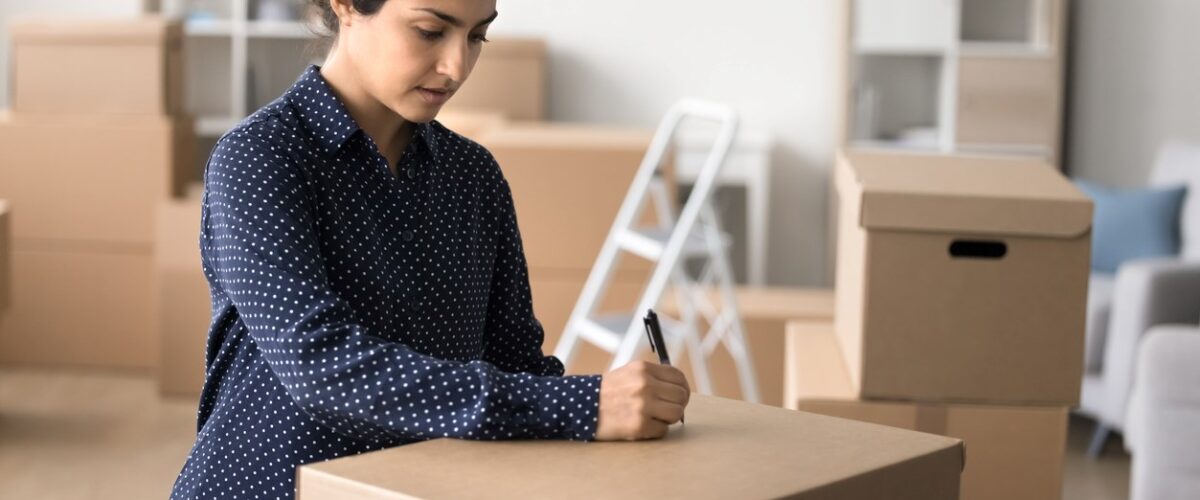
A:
(355, 309)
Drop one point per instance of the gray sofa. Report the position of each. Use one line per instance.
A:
(1142, 294)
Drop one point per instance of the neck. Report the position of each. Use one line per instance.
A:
(390, 131)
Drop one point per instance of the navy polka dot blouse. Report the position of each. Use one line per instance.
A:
(355, 309)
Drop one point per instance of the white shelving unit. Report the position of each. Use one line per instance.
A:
(230, 47)
(955, 75)
(240, 54)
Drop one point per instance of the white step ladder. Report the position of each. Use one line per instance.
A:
(695, 234)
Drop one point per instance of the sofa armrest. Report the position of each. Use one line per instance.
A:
(1163, 410)
(1146, 293)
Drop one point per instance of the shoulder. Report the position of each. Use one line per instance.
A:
(464, 152)
(259, 146)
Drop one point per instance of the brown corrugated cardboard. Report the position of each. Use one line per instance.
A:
(764, 312)
(79, 305)
(92, 66)
(727, 449)
(568, 183)
(1012, 451)
(471, 125)
(5, 257)
(183, 305)
(555, 292)
(961, 278)
(509, 78)
(105, 196)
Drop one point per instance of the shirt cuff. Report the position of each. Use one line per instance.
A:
(571, 404)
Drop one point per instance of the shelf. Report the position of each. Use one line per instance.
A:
(881, 144)
(214, 126)
(889, 26)
(1011, 21)
(210, 27)
(1004, 49)
(279, 29)
(901, 50)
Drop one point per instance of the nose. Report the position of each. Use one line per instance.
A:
(454, 62)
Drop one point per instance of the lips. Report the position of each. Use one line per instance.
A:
(435, 97)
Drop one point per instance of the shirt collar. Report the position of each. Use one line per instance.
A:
(327, 118)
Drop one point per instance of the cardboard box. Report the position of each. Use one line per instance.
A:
(113, 66)
(509, 78)
(79, 305)
(961, 278)
(106, 196)
(555, 292)
(183, 307)
(765, 311)
(727, 449)
(5, 257)
(1012, 451)
(568, 183)
(471, 125)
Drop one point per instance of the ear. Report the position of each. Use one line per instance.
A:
(343, 9)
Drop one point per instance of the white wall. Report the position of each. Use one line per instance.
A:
(626, 61)
(1135, 83)
(13, 9)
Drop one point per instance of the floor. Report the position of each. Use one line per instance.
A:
(85, 436)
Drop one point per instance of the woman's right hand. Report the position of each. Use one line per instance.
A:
(639, 400)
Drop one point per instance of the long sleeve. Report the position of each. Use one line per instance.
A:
(261, 238)
(514, 335)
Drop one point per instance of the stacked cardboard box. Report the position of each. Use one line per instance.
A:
(765, 311)
(961, 290)
(182, 304)
(568, 182)
(84, 164)
(5, 257)
(1012, 451)
(510, 79)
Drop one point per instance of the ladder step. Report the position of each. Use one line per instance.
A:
(605, 331)
(650, 243)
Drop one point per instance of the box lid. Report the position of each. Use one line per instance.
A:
(42, 29)
(973, 194)
(516, 47)
(727, 449)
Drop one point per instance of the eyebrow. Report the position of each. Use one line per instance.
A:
(454, 21)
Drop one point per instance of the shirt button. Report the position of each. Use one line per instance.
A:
(412, 173)
(414, 304)
(408, 236)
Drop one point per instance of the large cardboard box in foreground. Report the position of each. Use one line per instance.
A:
(727, 449)
(94, 179)
(1012, 451)
(79, 305)
(97, 66)
(961, 278)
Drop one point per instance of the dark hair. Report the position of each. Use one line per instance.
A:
(329, 20)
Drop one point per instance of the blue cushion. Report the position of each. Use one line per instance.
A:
(1133, 223)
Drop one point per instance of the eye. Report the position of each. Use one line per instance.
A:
(480, 38)
(429, 35)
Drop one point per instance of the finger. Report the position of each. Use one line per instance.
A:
(672, 393)
(669, 374)
(652, 429)
(665, 411)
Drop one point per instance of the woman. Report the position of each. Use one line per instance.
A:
(368, 283)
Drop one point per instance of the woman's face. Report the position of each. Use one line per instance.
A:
(413, 55)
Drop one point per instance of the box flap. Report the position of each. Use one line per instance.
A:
(43, 29)
(968, 194)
